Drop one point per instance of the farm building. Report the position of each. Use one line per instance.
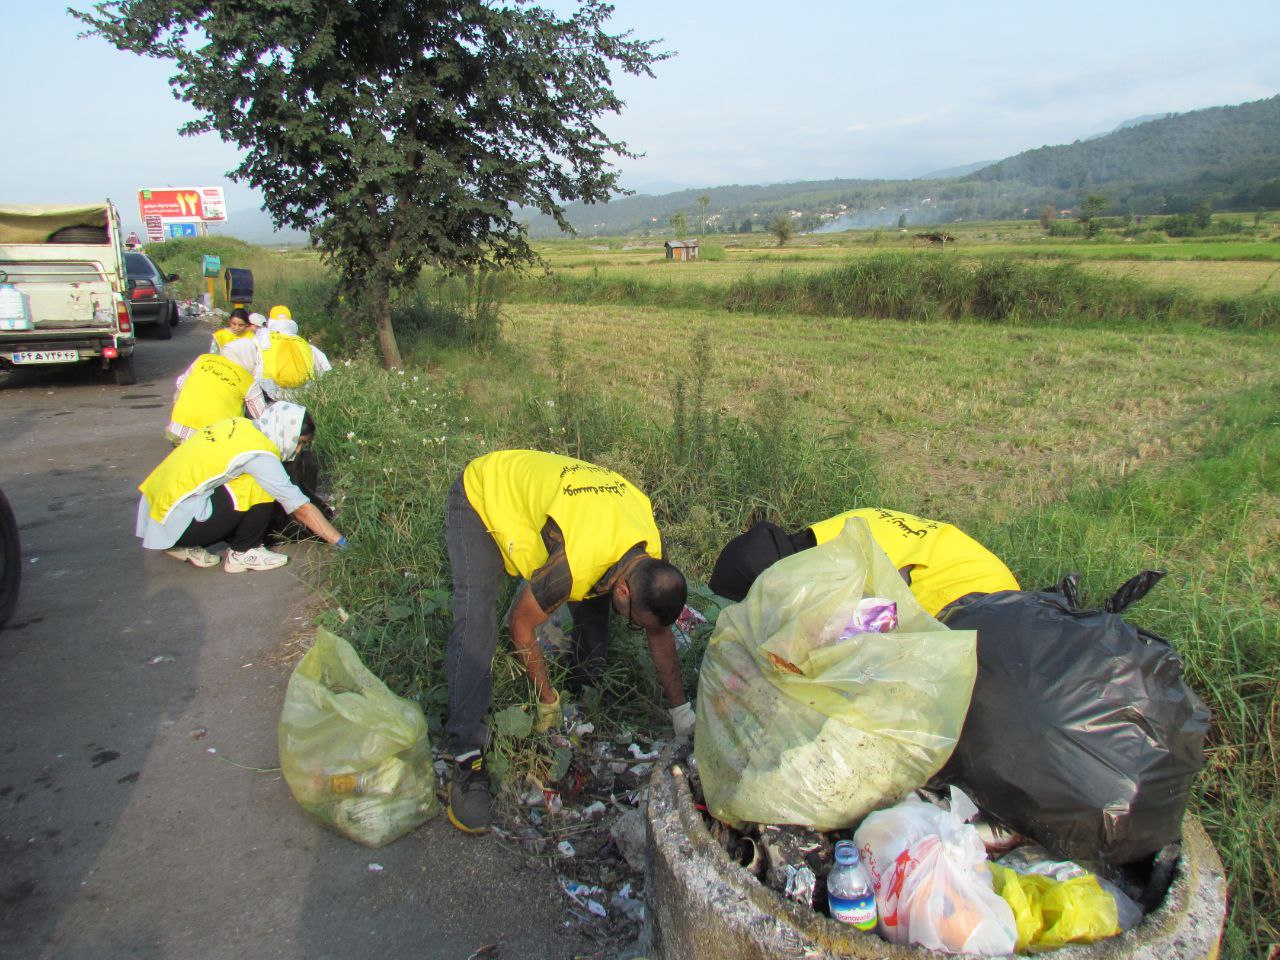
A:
(682, 249)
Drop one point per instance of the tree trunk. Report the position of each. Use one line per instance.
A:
(387, 345)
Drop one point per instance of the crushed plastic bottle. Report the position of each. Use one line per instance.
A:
(850, 896)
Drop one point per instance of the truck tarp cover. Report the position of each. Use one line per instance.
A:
(35, 224)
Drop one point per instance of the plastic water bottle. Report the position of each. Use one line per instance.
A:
(13, 308)
(850, 896)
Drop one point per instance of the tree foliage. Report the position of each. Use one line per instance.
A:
(781, 228)
(401, 133)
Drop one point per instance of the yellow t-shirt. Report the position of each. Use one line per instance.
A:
(946, 563)
(600, 512)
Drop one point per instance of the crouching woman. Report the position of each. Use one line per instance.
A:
(221, 485)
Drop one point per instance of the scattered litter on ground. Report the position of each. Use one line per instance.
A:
(375, 868)
(160, 658)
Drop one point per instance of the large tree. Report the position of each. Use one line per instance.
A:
(401, 133)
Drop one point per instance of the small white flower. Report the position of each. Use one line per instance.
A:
(400, 373)
(551, 403)
(351, 434)
(415, 378)
(413, 402)
(466, 419)
(346, 363)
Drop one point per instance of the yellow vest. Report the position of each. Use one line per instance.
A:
(225, 335)
(288, 361)
(214, 390)
(601, 513)
(206, 460)
(946, 563)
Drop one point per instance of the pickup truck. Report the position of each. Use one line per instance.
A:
(67, 266)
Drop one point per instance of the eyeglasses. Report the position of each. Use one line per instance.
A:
(631, 623)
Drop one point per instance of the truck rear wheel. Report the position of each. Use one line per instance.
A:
(122, 370)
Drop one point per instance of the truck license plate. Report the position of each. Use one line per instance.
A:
(47, 356)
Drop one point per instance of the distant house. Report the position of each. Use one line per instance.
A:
(682, 249)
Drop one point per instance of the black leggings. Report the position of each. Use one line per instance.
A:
(241, 529)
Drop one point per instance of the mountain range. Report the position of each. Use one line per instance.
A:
(1161, 163)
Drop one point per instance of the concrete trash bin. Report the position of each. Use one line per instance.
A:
(701, 904)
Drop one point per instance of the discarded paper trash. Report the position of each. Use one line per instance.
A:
(795, 724)
(355, 756)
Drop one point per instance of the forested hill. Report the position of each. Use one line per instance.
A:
(1228, 156)
(1220, 142)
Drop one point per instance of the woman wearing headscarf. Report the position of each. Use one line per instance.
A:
(222, 485)
(237, 328)
(215, 387)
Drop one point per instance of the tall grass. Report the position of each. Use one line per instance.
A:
(1212, 522)
(929, 287)
(393, 444)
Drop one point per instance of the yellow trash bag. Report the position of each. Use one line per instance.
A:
(355, 756)
(1053, 913)
(802, 720)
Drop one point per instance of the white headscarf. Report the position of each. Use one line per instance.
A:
(283, 326)
(244, 353)
(282, 423)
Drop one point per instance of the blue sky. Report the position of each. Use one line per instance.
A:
(758, 93)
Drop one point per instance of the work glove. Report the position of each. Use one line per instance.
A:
(550, 715)
(683, 719)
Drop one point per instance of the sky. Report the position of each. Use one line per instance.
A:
(756, 93)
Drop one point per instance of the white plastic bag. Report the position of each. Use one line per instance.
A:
(933, 885)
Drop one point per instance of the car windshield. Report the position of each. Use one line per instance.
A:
(139, 265)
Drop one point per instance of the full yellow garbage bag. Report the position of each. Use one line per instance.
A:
(799, 722)
(1053, 913)
(355, 756)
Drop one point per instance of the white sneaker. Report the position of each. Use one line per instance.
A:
(256, 558)
(198, 556)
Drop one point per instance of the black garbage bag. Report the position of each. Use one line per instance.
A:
(1082, 733)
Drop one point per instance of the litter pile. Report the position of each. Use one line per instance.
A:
(832, 708)
(590, 825)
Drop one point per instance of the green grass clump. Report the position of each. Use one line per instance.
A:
(927, 287)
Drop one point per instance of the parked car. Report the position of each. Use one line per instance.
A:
(152, 301)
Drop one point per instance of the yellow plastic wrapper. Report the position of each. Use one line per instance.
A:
(355, 756)
(799, 725)
(1053, 913)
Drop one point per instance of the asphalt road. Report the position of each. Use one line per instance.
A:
(140, 815)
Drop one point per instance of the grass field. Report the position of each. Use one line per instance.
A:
(1102, 448)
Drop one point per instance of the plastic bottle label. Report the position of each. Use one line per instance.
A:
(860, 912)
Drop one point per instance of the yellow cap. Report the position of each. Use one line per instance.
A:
(279, 312)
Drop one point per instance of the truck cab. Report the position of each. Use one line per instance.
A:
(62, 289)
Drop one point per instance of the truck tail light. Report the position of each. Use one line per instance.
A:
(110, 353)
(122, 318)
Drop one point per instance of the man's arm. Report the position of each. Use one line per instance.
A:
(662, 650)
(525, 619)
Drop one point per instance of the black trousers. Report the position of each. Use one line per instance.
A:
(590, 641)
(241, 529)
